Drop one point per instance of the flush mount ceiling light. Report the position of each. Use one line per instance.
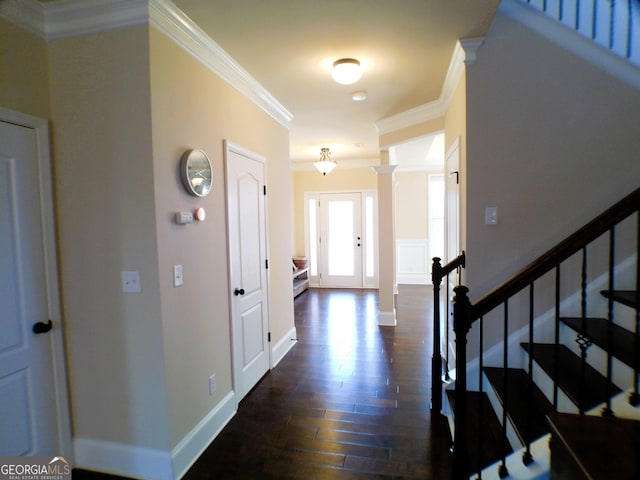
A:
(325, 164)
(346, 71)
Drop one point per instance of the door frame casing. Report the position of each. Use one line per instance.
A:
(232, 147)
(367, 282)
(56, 335)
(452, 167)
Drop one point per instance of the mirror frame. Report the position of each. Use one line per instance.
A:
(195, 165)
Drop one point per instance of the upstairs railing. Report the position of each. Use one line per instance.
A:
(612, 24)
(466, 314)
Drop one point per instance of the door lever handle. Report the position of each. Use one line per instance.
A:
(238, 291)
(42, 327)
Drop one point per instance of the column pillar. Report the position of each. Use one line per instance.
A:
(386, 245)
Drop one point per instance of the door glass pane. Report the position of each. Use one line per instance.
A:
(341, 237)
(313, 236)
(369, 269)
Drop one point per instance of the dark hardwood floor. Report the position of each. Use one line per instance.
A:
(349, 401)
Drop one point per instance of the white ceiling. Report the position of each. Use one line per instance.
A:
(288, 46)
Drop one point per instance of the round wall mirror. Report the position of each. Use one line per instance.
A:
(196, 172)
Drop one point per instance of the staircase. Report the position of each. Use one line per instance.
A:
(612, 24)
(552, 399)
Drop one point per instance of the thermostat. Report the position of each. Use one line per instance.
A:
(182, 218)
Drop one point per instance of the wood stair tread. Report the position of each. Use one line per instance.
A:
(596, 330)
(630, 298)
(586, 446)
(569, 374)
(529, 424)
(492, 439)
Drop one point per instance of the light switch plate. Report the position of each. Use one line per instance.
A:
(131, 282)
(178, 281)
(491, 216)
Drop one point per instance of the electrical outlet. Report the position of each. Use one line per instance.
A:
(213, 384)
(131, 282)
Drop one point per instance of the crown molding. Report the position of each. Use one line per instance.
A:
(464, 53)
(70, 18)
(384, 169)
(171, 21)
(27, 14)
(571, 40)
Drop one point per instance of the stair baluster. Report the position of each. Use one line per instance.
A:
(583, 341)
(607, 411)
(480, 404)
(502, 470)
(556, 340)
(634, 397)
(527, 458)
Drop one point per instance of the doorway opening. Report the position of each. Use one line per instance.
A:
(418, 207)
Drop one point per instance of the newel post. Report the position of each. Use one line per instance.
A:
(461, 326)
(436, 358)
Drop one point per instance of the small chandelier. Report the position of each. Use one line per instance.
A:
(346, 71)
(325, 164)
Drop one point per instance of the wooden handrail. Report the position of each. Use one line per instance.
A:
(556, 255)
(438, 271)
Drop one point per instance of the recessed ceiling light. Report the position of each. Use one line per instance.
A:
(359, 96)
(346, 71)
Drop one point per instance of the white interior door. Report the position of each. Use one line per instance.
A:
(248, 274)
(341, 240)
(32, 386)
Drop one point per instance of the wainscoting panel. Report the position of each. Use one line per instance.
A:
(413, 264)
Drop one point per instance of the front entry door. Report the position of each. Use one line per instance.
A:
(341, 240)
(248, 275)
(31, 377)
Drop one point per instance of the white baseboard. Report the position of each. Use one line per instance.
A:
(121, 459)
(150, 464)
(283, 346)
(191, 447)
(387, 319)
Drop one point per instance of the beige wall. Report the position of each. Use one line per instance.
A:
(411, 200)
(200, 110)
(341, 179)
(24, 77)
(552, 142)
(123, 112)
(107, 223)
